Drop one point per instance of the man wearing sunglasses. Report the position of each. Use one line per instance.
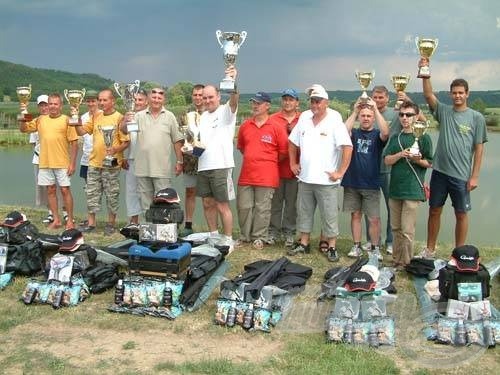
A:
(457, 159)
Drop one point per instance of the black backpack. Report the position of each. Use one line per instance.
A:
(450, 277)
(164, 213)
(25, 259)
(101, 277)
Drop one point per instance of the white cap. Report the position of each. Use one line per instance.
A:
(371, 270)
(317, 91)
(42, 99)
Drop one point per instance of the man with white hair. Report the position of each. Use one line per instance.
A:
(325, 153)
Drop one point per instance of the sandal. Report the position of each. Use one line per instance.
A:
(323, 246)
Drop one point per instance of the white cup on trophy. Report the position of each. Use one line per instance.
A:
(128, 92)
(230, 43)
(419, 128)
(74, 98)
(364, 79)
(24, 96)
(108, 132)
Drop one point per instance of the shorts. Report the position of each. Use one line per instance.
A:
(53, 176)
(83, 171)
(441, 185)
(365, 200)
(103, 181)
(189, 180)
(216, 183)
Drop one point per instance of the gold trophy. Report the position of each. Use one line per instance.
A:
(419, 128)
(426, 47)
(74, 98)
(364, 79)
(108, 132)
(399, 81)
(24, 96)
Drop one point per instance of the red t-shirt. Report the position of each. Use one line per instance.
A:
(261, 148)
(284, 165)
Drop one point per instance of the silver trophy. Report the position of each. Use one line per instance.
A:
(230, 43)
(419, 128)
(108, 132)
(127, 92)
(192, 145)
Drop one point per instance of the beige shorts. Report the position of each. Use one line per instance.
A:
(53, 176)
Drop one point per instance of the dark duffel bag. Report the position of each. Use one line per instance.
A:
(165, 213)
(450, 277)
(25, 258)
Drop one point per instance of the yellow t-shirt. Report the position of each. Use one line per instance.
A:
(93, 127)
(55, 135)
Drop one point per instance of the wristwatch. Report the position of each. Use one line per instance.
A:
(180, 162)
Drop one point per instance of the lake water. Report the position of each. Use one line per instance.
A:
(17, 188)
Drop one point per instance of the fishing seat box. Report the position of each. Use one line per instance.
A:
(170, 260)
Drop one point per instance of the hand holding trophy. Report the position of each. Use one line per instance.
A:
(74, 98)
(419, 128)
(230, 43)
(24, 96)
(426, 48)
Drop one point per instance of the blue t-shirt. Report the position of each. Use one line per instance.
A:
(364, 169)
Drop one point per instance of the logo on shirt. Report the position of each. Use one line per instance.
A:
(266, 138)
(464, 128)
(363, 146)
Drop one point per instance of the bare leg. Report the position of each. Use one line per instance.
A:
(461, 228)
(226, 216)
(68, 205)
(356, 226)
(433, 226)
(190, 203)
(210, 211)
(304, 238)
(374, 230)
(52, 200)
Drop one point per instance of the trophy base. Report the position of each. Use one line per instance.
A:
(414, 151)
(110, 163)
(227, 85)
(187, 149)
(74, 121)
(197, 151)
(397, 106)
(132, 127)
(24, 117)
(424, 72)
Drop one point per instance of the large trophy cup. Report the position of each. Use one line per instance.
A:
(24, 96)
(230, 42)
(399, 81)
(426, 48)
(364, 79)
(108, 132)
(127, 92)
(419, 128)
(74, 98)
(192, 144)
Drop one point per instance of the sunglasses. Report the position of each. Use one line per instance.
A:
(157, 92)
(402, 114)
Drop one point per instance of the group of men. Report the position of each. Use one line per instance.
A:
(292, 162)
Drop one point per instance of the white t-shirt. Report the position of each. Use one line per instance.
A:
(217, 135)
(87, 142)
(35, 141)
(320, 146)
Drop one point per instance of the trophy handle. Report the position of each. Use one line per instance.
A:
(137, 84)
(436, 41)
(218, 34)
(83, 95)
(65, 92)
(116, 85)
(416, 42)
(243, 37)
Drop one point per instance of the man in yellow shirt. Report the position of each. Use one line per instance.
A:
(101, 179)
(57, 162)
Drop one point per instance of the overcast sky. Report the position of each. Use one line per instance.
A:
(291, 43)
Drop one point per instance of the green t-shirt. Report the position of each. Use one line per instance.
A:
(403, 183)
(459, 132)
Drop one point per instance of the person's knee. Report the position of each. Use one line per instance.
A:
(51, 190)
(461, 215)
(190, 192)
(356, 215)
(435, 211)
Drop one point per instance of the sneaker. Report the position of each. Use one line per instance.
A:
(83, 223)
(289, 240)
(388, 248)
(65, 216)
(87, 228)
(109, 229)
(299, 248)
(270, 241)
(186, 232)
(367, 246)
(332, 255)
(49, 219)
(258, 244)
(376, 252)
(355, 252)
(225, 241)
(426, 253)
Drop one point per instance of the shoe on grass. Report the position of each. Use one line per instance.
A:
(299, 248)
(109, 229)
(367, 246)
(332, 255)
(258, 244)
(426, 253)
(388, 248)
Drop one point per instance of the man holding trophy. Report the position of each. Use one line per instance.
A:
(103, 175)
(457, 159)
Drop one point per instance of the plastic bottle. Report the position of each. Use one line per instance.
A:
(461, 334)
(488, 334)
(248, 318)
(348, 332)
(231, 317)
(167, 297)
(30, 295)
(119, 292)
(373, 338)
(58, 296)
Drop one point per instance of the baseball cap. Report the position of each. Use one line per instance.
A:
(261, 97)
(91, 94)
(290, 92)
(466, 258)
(71, 239)
(317, 91)
(167, 195)
(372, 270)
(360, 281)
(13, 219)
(42, 99)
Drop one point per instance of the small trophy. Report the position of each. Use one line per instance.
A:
(127, 92)
(24, 96)
(230, 42)
(399, 82)
(192, 145)
(364, 79)
(419, 128)
(74, 98)
(108, 132)
(426, 47)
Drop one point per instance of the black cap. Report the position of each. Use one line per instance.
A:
(466, 258)
(13, 219)
(71, 239)
(167, 195)
(360, 281)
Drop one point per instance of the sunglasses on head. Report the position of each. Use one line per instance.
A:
(402, 114)
(157, 92)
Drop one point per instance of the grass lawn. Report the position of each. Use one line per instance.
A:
(89, 340)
